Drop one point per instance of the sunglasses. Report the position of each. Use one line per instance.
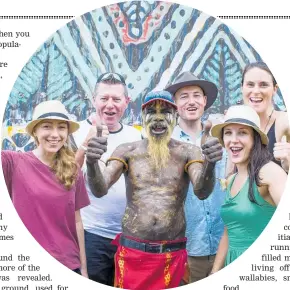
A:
(110, 76)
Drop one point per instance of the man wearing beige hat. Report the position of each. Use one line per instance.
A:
(204, 225)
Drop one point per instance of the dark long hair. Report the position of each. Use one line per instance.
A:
(260, 65)
(259, 156)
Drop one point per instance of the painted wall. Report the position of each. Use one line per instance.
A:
(148, 42)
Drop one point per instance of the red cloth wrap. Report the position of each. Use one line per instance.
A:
(138, 270)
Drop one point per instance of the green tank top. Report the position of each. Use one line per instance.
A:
(244, 219)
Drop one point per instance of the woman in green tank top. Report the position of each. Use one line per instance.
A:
(254, 191)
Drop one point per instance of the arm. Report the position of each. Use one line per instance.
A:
(275, 178)
(285, 164)
(281, 152)
(202, 175)
(99, 182)
(202, 178)
(81, 242)
(221, 253)
(282, 146)
(230, 168)
(8, 158)
(81, 152)
(80, 155)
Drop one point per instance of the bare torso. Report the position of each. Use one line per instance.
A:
(155, 198)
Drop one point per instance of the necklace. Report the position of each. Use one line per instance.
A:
(268, 121)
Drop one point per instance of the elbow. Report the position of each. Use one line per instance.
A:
(204, 192)
(98, 192)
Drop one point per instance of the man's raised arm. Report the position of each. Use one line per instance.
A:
(201, 170)
(99, 182)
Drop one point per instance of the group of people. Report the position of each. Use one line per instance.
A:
(131, 210)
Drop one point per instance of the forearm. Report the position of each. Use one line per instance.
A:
(96, 180)
(206, 180)
(80, 156)
(285, 164)
(230, 168)
(81, 242)
(221, 253)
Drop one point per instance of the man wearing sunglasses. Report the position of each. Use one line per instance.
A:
(102, 218)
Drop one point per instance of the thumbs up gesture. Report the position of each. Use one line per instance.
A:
(97, 124)
(282, 150)
(211, 148)
(97, 144)
(96, 140)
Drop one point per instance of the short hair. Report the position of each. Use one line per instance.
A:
(110, 80)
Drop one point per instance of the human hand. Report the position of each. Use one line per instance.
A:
(97, 124)
(97, 146)
(84, 273)
(281, 151)
(211, 148)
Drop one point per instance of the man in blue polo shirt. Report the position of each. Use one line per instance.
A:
(204, 226)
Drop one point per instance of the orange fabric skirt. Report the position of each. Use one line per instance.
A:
(138, 270)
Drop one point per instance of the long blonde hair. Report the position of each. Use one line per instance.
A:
(65, 167)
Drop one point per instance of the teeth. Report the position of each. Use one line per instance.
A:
(255, 99)
(191, 109)
(236, 148)
(158, 130)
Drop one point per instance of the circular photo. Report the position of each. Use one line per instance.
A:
(145, 145)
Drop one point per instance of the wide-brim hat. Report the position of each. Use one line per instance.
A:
(189, 79)
(241, 114)
(51, 110)
(158, 95)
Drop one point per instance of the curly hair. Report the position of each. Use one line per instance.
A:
(65, 167)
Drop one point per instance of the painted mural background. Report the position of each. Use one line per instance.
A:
(149, 42)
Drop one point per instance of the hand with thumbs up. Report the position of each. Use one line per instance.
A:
(211, 148)
(97, 145)
(96, 140)
(96, 123)
(281, 152)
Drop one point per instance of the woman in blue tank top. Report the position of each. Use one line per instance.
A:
(254, 191)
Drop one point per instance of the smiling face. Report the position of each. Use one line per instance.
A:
(110, 104)
(51, 135)
(159, 119)
(239, 141)
(258, 89)
(190, 102)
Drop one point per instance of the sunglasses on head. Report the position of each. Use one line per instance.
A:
(110, 76)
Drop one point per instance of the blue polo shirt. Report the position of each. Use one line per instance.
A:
(204, 226)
